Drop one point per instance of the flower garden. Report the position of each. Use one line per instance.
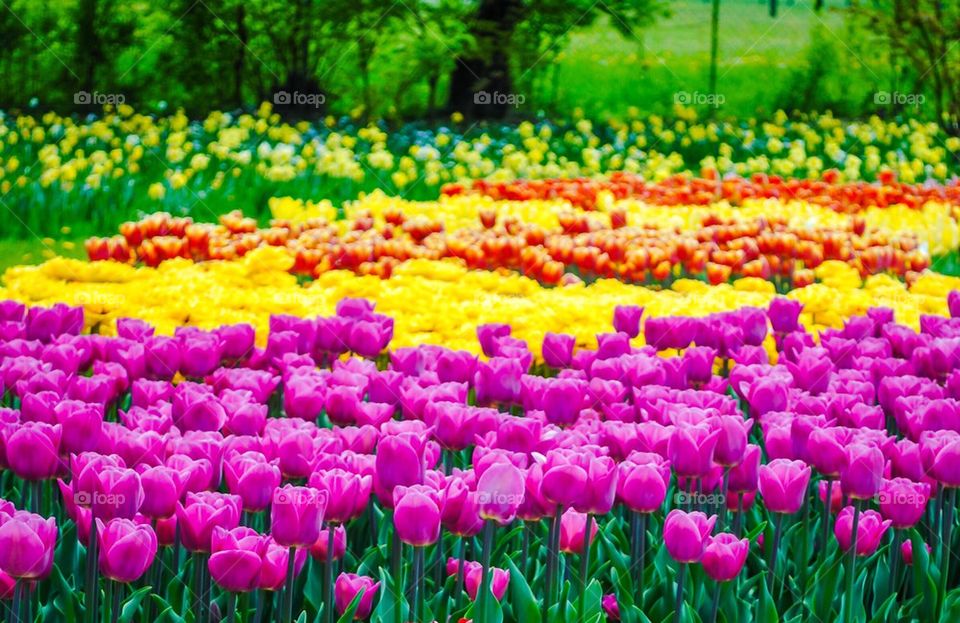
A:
(652, 370)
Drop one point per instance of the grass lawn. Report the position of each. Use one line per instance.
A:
(760, 59)
(35, 251)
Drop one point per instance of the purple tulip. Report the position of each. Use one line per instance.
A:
(296, 515)
(236, 559)
(416, 515)
(127, 549)
(346, 589)
(685, 534)
(870, 530)
(202, 514)
(27, 542)
(724, 556)
(626, 319)
(862, 476)
(783, 485)
(557, 349)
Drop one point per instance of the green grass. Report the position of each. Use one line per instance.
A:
(764, 63)
(35, 251)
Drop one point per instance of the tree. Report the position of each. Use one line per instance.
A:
(926, 33)
(496, 28)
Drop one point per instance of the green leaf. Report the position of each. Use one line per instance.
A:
(132, 605)
(883, 613)
(347, 615)
(389, 592)
(593, 605)
(70, 598)
(526, 609)
(766, 609)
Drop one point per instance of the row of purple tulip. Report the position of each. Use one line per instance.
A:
(201, 459)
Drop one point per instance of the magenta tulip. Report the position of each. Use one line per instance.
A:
(783, 485)
(685, 534)
(416, 515)
(346, 589)
(870, 530)
(319, 549)
(573, 529)
(724, 556)
(862, 477)
(162, 489)
(202, 514)
(500, 492)
(27, 542)
(473, 576)
(903, 501)
(253, 478)
(296, 515)
(127, 549)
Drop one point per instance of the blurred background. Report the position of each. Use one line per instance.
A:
(420, 59)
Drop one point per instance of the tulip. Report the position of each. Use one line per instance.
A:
(626, 319)
(724, 556)
(643, 487)
(275, 563)
(33, 450)
(862, 477)
(202, 514)
(906, 551)
(870, 529)
(561, 400)
(459, 511)
(162, 489)
(784, 314)
(558, 349)
(473, 575)
(399, 462)
(320, 549)
(563, 484)
(251, 477)
(500, 492)
(783, 485)
(611, 607)
(691, 450)
(349, 493)
(127, 549)
(347, 587)
(685, 534)
(235, 560)
(573, 529)
(903, 501)
(296, 515)
(416, 515)
(27, 542)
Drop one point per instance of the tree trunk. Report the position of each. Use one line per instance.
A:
(714, 44)
(241, 52)
(482, 81)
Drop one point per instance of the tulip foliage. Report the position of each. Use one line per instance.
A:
(733, 468)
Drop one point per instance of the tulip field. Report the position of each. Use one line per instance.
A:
(648, 371)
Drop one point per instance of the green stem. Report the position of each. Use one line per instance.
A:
(584, 567)
(679, 608)
(328, 575)
(485, 578)
(231, 608)
(951, 495)
(852, 565)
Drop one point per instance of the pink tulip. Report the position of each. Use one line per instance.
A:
(563, 483)
(643, 487)
(33, 450)
(783, 485)
(473, 577)
(274, 559)
(685, 534)
(691, 450)
(724, 556)
(346, 589)
(253, 478)
(906, 551)
(162, 489)
(573, 528)
(862, 477)
(202, 514)
(416, 515)
(127, 549)
(349, 493)
(459, 511)
(500, 492)
(903, 501)
(399, 462)
(319, 549)
(27, 542)
(296, 515)
(611, 607)
(870, 530)
(235, 560)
